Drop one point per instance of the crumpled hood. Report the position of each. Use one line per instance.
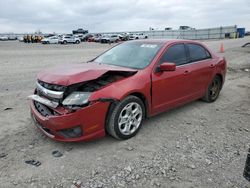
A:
(71, 74)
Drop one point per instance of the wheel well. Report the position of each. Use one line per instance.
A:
(221, 78)
(112, 106)
(144, 100)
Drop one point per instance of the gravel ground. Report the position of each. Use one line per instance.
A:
(196, 145)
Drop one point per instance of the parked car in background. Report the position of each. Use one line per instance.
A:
(124, 36)
(91, 38)
(69, 39)
(20, 38)
(105, 39)
(50, 40)
(140, 36)
(118, 89)
(97, 38)
(80, 31)
(3, 38)
(247, 33)
(110, 38)
(86, 37)
(12, 37)
(115, 38)
(131, 36)
(80, 36)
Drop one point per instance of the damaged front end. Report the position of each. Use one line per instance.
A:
(65, 112)
(76, 95)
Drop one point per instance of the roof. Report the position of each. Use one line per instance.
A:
(163, 41)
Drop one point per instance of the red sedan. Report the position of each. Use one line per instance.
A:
(117, 90)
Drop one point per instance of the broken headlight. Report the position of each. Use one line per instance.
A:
(77, 98)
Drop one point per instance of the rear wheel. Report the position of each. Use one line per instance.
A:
(64, 42)
(213, 90)
(77, 42)
(126, 118)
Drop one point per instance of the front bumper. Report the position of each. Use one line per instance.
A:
(90, 119)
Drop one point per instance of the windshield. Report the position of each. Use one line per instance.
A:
(136, 55)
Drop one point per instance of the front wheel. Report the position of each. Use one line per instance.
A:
(213, 90)
(125, 119)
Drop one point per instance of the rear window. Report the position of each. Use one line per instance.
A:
(197, 52)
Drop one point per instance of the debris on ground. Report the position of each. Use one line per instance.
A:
(57, 153)
(77, 183)
(8, 108)
(33, 162)
(2, 155)
(192, 166)
(129, 148)
(128, 168)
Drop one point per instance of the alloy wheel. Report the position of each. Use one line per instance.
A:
(130, 118)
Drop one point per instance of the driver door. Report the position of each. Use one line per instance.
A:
(171, 88)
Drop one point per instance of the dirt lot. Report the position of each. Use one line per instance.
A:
(197, 145)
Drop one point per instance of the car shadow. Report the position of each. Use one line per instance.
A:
(109, 141)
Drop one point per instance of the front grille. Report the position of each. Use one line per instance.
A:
(38, 92)
(43, 110)
(52, 87)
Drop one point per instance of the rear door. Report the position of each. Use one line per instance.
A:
(171, 88)
(72, 39)
(201, 66)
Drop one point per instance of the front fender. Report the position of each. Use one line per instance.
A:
(138, 83)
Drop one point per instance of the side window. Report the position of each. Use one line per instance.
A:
(197, 52)
(175, 54)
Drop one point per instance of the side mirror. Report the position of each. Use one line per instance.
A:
(167, 67)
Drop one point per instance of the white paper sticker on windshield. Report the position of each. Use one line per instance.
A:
(148, 45)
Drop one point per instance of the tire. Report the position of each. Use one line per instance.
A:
(64, 42)
(133, 122)
(213, 90)
(77, 42)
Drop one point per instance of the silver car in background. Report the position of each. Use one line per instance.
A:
(50, 40)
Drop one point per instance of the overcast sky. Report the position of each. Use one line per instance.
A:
(120, 15)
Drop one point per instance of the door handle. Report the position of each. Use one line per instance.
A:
(186, 72)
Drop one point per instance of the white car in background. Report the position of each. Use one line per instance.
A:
(50, 40)
(140, 36)
(115, 38)
(110, 38)
(20, 38)
(69, 39)
(3, 38)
